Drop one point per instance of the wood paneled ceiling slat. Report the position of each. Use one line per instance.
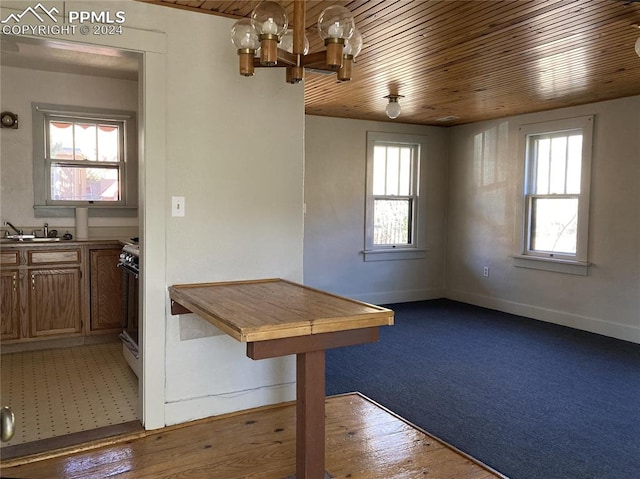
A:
(436, 55)
(439, 42)
(552, 43)
(477, 60)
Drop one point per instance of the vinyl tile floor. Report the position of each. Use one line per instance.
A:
(55, 392)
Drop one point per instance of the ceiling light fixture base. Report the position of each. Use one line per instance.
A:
(393, 108)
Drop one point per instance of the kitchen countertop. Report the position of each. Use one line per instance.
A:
(62, 242)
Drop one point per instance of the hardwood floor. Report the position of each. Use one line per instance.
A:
(364, 441)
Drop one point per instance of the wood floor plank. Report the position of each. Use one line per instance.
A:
(364, 441)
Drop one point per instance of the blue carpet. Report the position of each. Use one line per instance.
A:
(530, 399)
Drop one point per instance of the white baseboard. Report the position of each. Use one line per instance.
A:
(388, 297)
(197, 408)
(563, 318)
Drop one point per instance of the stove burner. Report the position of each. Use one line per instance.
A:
(130, 259)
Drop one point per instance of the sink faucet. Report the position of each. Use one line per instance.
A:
(18, 232)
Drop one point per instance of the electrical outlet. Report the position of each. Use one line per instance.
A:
(177, 206)
(485, 271)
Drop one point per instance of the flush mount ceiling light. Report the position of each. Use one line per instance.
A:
(267, 31)
(8, 120)
(393, 108)
(638, 47)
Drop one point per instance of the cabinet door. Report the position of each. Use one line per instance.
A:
(106, 290)
(54, 301)
(9, 309)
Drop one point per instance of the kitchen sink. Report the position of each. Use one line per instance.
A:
(41, 240)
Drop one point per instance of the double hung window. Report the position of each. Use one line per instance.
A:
(393, 165)
(84, 157)
(556, 189)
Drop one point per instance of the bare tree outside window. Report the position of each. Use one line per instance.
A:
(393, 194)
(554, 192)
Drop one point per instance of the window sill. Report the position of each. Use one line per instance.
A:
(391, 254)
(554, 265)
(94, 211)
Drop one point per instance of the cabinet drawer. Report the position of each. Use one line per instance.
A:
(49, 256)
(10, 258)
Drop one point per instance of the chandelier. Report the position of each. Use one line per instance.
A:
(265, 40)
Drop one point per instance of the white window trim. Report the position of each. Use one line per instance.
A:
(128, 207)
(416, 249)
(570, 264)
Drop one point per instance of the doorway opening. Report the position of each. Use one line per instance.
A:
(66, 390)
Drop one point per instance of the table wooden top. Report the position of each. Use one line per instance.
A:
(265, 309)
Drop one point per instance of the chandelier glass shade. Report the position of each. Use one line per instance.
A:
(247, 42)
(335, 26)
(267, 32)
(270, 21)
(286, 42)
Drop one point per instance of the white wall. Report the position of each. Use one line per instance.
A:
(484, 218)
(474, 216)
(21, 87)
(335, 177)
(235, 152)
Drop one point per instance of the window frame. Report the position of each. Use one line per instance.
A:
(127, 166)
(412, 250)
(554, 261)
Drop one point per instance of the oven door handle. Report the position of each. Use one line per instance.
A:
(129, 269)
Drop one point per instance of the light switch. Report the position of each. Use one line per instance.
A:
(177, 206)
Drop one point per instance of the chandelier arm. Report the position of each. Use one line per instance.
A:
(316, 60)
(288, 59)
(285, 59)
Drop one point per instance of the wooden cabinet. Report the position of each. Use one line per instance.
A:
(54, 301)
(59, 290)
(9, 295)
(105, 290)
(54, 283)
(9, 304)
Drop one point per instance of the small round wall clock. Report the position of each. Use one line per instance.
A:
(8, 120)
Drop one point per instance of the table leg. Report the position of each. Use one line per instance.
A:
(310, 376)
(310, 420)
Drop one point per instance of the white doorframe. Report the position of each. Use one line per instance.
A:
(153, 237)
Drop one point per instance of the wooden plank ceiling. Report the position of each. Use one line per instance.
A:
(471, 60)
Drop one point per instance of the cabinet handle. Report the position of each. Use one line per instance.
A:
(15, 282)
(33, 281)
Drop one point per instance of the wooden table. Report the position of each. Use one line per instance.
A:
(277, 318)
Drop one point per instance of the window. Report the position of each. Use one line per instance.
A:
(556, 190)
(393, 165)
(83, 158)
